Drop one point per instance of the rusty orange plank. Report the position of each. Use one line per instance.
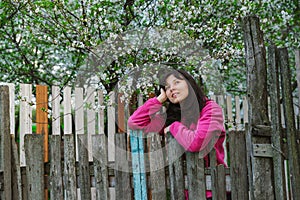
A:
(42, 115)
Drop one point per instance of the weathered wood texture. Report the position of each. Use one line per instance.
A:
(138, 164)
(278, 157)
(157, 167)
(5, 143)
(164, 174)
(34, 154)
(196, 176)
(15, 172)
(55, 176)
(99, 143)
(122, 176)
(261, 183)
(25, 118)
(292, 137)
(70, 183)
(238, 169)
(83, 167)
(175, 165)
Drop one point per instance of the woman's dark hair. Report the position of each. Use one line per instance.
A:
(189, 110)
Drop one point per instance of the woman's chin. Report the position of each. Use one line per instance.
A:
(175, 101)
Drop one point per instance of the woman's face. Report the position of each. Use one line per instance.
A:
(176, 89)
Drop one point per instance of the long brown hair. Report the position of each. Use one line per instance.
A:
(189, 110)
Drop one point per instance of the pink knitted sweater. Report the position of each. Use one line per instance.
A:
(199, 137)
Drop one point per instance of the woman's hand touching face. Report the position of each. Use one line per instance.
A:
(162, 97)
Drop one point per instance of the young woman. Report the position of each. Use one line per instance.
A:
(191, 118)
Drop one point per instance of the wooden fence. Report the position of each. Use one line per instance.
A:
(88, 155)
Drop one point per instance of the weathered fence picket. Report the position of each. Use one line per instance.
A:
(34, 155)
(55, 175)
(167, 170)
(99, 145)
(5, 143)
(69, 175)
(138, 165)
(25, 117)
(196, 176)
(175, 165)
(84, 181)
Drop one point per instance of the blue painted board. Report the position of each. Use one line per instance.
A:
(138, 165)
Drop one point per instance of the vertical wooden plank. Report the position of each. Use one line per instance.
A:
(34, 154)
(229, 112)
(11, 105)
(196, 176)
(91, 120)
(11, 87)
(175, 152)
(238, 114)
(255, 53)
(55, 176)
(221, 182)
(276, 138)
(297, 64)
(67, 104)
(5, 144)
(69, 168)
(101, 112)
(218, 177)
(142, 165)
(79, 117)
(16, 172)
(213, 164)
(138, 164)
(55, 101)
(111, 127)
(42, 115)
(25, 117)
(122, 176)
(111, 117)
(245, 111)
(238, 165)
(100, 166)
(135, 165)
(157, 167)
(293, 145)
(79, 123)
(213, 97)
(121, 114)
(112, 193)
(83, 167)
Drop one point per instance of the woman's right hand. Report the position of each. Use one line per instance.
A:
(162, 97)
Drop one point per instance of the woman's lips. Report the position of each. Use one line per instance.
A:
(174, 95)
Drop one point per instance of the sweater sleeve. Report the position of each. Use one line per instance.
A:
(208, 129)
(146, 117)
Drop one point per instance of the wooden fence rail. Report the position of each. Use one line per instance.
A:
(87, 160)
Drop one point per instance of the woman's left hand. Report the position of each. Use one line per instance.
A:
(166, 130)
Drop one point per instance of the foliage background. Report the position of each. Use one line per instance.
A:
(49, 41)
